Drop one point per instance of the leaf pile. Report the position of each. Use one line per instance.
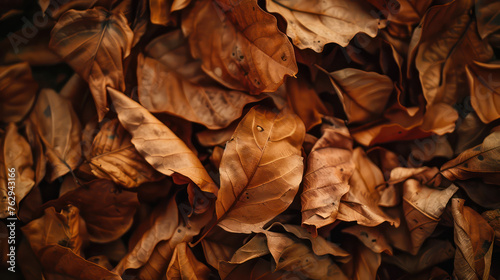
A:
(273, 139)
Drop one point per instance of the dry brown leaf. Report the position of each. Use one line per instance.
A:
(364, 95)
(487, 17)
(185, 266)
(480, 161)
(422, 208)
(209, 138)
(160, 225)
(313, 24)
(360, 203)
(372, 237)
(64, 228)
(471, 132)
(60, 132)
(261, 168)
(40, 161)
(157, 264)
(158, 144)
(108, 211)
(17, 175)
(94, 43)
(485, 89)
(329, 168)
(171, 81)
(304, 101)
(364, 264)
(474, 240)
(17, 91)
(161, 10)
(239, 44)
(114, 157)
(441, 61)
(493, 219)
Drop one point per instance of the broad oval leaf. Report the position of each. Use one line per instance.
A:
(60, 131)
(485, 90)
(329, 167)
(240, 45)
(94, 43)
(17, 91)
(114, 157)
(171, 81)
(261, 170)
(158, 144)
(315, 23)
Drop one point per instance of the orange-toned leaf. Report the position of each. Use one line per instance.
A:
(239, 44)
(485, 89)
(261, 168)
(185, 266)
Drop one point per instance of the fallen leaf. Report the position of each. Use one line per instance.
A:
(184, 265)
(261, 168)
(239, 44)
(113, 157)
(17, 91)
(60, 132)
(485, 90)
(371, 237)
(171, 81)
(493, 219)
(474, 240)
(161, 11)
(364, 264)
(329, 168)
(487, 17)
(158, 144)
(480, 161)
(108, 211)
(313, 24)
(17, 176)
(99, 42)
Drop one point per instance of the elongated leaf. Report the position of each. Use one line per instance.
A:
(239, 44)
(17, 91)
(114, 157)
(185, 266)
(94, 43)
(313, 24)
(261, 168)
(329, 167)
(171, 81)
(474, 240)
(16, 174)
(485, 89)
(480, 161)
(60, 132)
(158, 144)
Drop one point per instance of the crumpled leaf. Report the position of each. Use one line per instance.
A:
(60, 131)
(372, 237)
(171, 81)
(161, 10)
(261, 168)
(360, 203)
(158, 144)
(313, 24)
(94, 43)
(364, 95)
(16, 157)
(480, 161)
(160, 226)
(487, 16)
(364, 264)
(493, 219)
(108, 212)
(114, 157)
(474, 240)
(17, 91)
(329, 168)
(239, 44)
(485, 89)
(185, 266)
